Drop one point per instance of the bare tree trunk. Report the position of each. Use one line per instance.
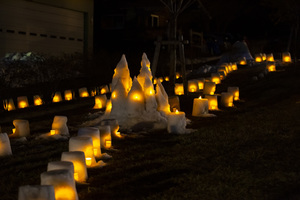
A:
(173, 63)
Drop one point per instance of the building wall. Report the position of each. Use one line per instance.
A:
(52, 27)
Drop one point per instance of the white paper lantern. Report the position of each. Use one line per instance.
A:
(22, 102)
(9, 104)
(114, 126)
(60, 125)
(83, 92)
(63, 183)
(200, 106)
(78, 160)
(21, 128)
(94, 133)
(176, 122)
(68, 95)
(209, 88)
(36, 192)
(235, 91)
(212, 102)
(57, 97)
(226, 99)
(5, 148)
(105, 136)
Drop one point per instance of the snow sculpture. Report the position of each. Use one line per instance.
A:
(63, 183)
(21, 128)
(36, 192)
(135, 100)
(119, 100)
(5, 148)
(94, 133)
(122, 73)
(78, 160)
(60, 125)
(84, 144)
(162, 98)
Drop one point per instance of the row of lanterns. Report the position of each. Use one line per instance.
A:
(261, 57)
(58, 182)
(22, 101)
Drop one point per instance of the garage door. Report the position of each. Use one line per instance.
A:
(27, 26)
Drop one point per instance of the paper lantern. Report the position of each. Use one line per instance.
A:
(286, 57)
(105, 136)
(215, 77)
(37, 100)
(114, 126)
(234, 66)
(178, 89)
(167, 78)
(79, 162)
(57, 97)
(36, 192)
(154, 81)
(227, 99)
(93, 92)
(55, 165)
(258, 58)
(209, 88)
(9, 104)
(270, 58)
(176, 122)
(21, 128)
(84, 144)
(178, 75)
(5, 148)
(83, 92)
(193, 85)
(22, 102)
(68, 95)
(212, 102)
(108, 107)
(200, 106)
(271, 67)
(100, 101)
(263, 57)
(94, 133)
(174, 103)
(160, 79)
(235, 91)
(243, 61)
(201, 82)
(63, 183)
(104, 89)
(60, 125)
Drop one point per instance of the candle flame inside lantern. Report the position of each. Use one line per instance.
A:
(88, 161)
(176, 111)
(76, 177)
(56, 98)
(84, 94)
(23, 104)
(38, 102)
(177, 75)
(167, 78)
(68, 96)
(258, 59)
(107, 143)
(52, 132)
(103, 91)
(287, 59)
(230, 104)
(212, 93)
(13, 130)
(95, 151)
(200, 97)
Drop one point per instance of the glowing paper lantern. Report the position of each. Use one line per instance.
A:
(286, 57)
(174, 103)
(271, 67)
(21, 128)
(201, 82)
(212, 102)
(200, 106)
(178, 75)
(226, 99)
(258, 58)
(193, 85)
(100, 101)
(160, 79)
(5, 148)
(83, 92)
(104, 89)
(179, 90)
(234, 66)
(215, 77)
(68, 95)
(9, 104)
(84, 144)
(105, 135)
(108, 107)
(94, 133)
(263, 57)
(37, 100)
(167, 78)
(209, 88)
(270, 58)
(114, 126)
(22, 102)
(176, 122)
(235, 91)
(60, 125)
(57, 97)
(243, 61)
(78, 160)
(36, 192)
(63, 183)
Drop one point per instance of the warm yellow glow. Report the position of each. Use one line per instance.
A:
(200, 97)
(108, 106)
(236, 95)
(160, 79)
(216, 80)
(107, 143)
(9, 107)
(23, 104)
(179, 90)
(271, 68)
(258, 59)
(264, 57)
(37, 101)
(193, 86)
(118, 134)
(98, 103)
(64, 193)
(243, 62)
(76, 177)
(167, 78)
(213, 107)
(93, 92)
(68, 95)
(103, 91)
(57, 97)
(13, 130)
(95, 152)
(150, 91)
(114, 95)
(212, 93)
(176, 111)
(270, 58)
(177, 75)
(84, 94)
(287, 59)
(230, 104)
(234, 66)
(52, 132)
(155, 81)
(88, 161)
(136, 97)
